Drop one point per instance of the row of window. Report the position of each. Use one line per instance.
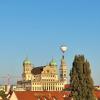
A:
(48, 83)
(48, 75)
(50, 80)
(47, 88)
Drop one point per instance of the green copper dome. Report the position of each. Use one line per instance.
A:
(26, 61)
(53, 63)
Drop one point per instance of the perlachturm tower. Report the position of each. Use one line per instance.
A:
(63, 69)
(63, 66)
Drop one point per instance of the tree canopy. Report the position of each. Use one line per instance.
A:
(3, 95)
(80, 79)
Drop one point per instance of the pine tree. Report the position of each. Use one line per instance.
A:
(80, 80)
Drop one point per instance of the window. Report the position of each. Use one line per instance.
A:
(64, 74)
(47, 71)
(61, 75)
(64, 71)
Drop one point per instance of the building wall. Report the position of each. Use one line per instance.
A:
(97, 87)
(2, 87)
(13, 97)
(47, 80)
(48, 86)
(1, 98)
(50, 73)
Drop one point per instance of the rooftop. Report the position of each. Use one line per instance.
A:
(36, 95)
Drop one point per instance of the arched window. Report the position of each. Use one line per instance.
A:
(64, 74)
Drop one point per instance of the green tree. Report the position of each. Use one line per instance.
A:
(3, 95)
(81, 80)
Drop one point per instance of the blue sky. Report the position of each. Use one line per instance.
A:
(36, 28)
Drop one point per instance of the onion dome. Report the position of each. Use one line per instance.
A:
(26, 61)
(53, 63)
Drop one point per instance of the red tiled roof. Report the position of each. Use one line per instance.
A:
(67, 86)
(49, 95)
(34, 95)
(97, 94)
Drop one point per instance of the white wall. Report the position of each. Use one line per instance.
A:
(13, 97)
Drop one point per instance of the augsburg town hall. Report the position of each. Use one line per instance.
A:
(44, 78)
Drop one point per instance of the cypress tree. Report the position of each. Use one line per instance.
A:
(81, 80)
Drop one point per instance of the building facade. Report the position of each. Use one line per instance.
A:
(44, 78)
